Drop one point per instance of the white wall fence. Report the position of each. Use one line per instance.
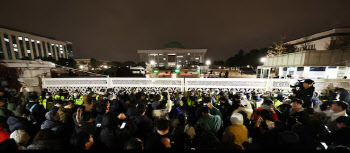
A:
(156, 85)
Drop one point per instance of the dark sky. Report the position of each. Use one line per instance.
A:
(115, 29)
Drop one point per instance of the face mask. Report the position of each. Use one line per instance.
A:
(47, 97)
(75, 95)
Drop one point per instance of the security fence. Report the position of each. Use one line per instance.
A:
(156, 85)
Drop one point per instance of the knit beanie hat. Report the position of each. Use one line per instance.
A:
(20, 136)
(236, 119)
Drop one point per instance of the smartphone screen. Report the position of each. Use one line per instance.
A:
(324, 145)
(123, 125)
(98, 125)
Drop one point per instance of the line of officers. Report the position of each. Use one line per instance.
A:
(193, 97)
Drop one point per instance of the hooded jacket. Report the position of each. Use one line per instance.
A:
(214, 122)
(265, 107)
(237, 129)
(16, 123)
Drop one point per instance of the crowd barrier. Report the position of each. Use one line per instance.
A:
(156, 85)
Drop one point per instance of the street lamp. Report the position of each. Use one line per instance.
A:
(208, 62)
(263, 59)
(152, 62)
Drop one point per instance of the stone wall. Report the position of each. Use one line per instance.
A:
(33, 71)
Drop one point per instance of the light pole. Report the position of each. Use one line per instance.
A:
(208, 62)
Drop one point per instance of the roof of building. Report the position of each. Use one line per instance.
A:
(320, 35)
(18, 30)
(172, 51)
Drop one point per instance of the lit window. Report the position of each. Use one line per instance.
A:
(7, 40)
(14, 45)
(28, 51)
(179, 56)
(56, 45)
(32, 40)
(38, 41)
(49, 53)
(61, 52)
(160, 54)
(19, 38)
(179, 60)
(60, 45)
(188, 53)
(52, 44)
(15, 49)
(164, 58)
(197, 58)
(26, 39)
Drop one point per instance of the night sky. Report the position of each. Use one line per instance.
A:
(115, 29)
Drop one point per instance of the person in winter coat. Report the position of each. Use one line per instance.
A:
(141, 120)
(343, 95)
(161, 139)
(21, 137)
(237, 130)
(84, 122)
(21, 122)
(13, 106)
(306, 93)
(180, 133)
(4, 112)
(339, 109)
(298, 111)
(45, 140)
(52, 122)
(341, 135)
(204, 139)
(134, 144)
(266, 105)
(37, 110)
(214, 121)
(83, 141)
(66, 113)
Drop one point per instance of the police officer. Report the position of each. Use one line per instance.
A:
(78, 99)
(48, 101)
(59, 95)
(306, 93)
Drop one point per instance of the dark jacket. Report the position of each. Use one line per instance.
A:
(306, 95)
(154, 143)
(37, 110)
(55, 126)
(340, 137)
(16, 123)
(46, 145)
(206, 141)
(144, 126)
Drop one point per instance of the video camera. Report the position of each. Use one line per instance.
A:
(297, 86)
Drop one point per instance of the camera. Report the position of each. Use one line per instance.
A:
(297, 86)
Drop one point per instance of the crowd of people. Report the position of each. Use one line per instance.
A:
(176, 121)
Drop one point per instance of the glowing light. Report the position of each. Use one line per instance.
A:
(208, 62)
(262, 59)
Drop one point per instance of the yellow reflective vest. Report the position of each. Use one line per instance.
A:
(79, 101)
